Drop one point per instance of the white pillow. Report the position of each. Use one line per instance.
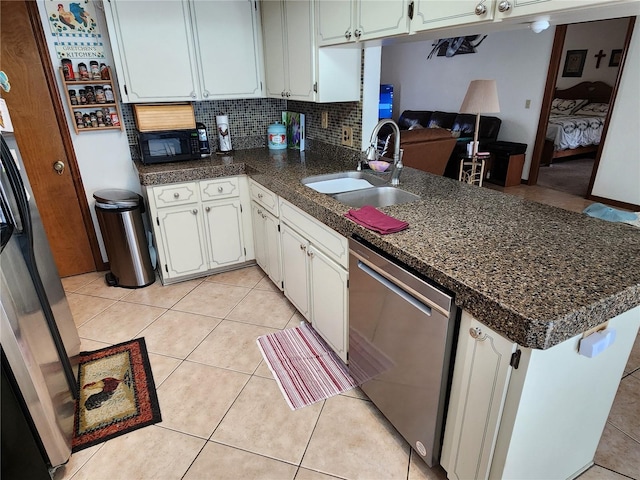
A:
(560, 106)
(594, 110)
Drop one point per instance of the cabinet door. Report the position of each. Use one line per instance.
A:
(329, 300)
(518, 8)
(334, 21)
(478, 392)
(228, 48)
(430, 14)
(272, 245)
(273, 34)
(259, 236)
(377, 19)
(300, 49)
(294, 269)
(223, 228)
(182, 235)
(153, 50)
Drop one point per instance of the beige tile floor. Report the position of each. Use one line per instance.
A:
(223, 414)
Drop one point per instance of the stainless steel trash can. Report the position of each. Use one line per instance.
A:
(119, 214)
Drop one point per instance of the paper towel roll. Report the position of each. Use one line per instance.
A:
(224, 138)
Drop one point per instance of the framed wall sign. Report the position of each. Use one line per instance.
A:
(574, 63)
(614, 59)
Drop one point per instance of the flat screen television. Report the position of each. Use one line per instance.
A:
(385, 106)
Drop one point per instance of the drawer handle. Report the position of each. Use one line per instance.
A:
(481, 8)
(176, 195)
(504, 6)
(220, 189)
(260, 195)
(194, 211)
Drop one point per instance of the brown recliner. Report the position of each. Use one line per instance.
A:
(426, 149)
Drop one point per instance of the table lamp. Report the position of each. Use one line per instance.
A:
(481, 97)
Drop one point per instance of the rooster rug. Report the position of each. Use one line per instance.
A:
(116, 393)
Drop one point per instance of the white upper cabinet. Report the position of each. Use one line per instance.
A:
(518, 8)
(431, 14)
(296, 68)
(288, 43)
(228, 46)
(356, 20)
(185, 50)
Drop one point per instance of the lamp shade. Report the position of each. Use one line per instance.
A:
(481, 97)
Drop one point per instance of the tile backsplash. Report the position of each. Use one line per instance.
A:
(249, 119)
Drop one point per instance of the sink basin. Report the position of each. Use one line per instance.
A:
(342, 182)
(376, 197)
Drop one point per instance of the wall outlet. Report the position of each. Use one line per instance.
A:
(325, 119)
(347, 136)
(527, 104)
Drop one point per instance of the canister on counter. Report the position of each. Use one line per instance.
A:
(67, 70)
(276, 136)
(72, 97)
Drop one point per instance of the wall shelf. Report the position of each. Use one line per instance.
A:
(112, 108)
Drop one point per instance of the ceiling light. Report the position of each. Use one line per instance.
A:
(539, 25)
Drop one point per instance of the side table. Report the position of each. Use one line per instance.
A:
(472, 169)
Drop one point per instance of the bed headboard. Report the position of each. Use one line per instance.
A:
(595, 92)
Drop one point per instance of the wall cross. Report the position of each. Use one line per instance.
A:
(600, 55)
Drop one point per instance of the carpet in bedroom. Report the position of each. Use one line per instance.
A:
(570, 176)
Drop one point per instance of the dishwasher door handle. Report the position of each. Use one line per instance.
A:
(395, 288)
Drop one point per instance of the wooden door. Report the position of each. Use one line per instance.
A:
(42, 136)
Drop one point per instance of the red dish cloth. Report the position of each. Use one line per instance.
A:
(373, 219)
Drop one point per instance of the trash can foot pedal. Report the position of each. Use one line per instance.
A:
(111, 279)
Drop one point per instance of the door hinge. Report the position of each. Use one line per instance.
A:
(315, 87)
(347, 283)
(245, 251)
(255, 6)
(166, 268)
(515, 358)
(261, 86)
(240, 208)
(278, 227)
(410, 12)
(158, 221)
(125, 89)
(282, 284)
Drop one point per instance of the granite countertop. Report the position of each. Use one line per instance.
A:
(534, 273)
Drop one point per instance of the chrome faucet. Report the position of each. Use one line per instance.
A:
(372, 151)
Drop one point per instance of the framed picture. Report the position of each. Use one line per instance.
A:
(574, 63)
(614, 60)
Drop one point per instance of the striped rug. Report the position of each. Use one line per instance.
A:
(306, 369)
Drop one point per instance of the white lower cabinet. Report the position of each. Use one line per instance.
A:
(200, 227)
(314, 272)
(526, 413)
(266, 234)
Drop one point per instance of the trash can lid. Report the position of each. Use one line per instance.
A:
(117, 197)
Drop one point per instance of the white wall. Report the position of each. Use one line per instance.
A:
(103, 158)
(605, 35)
(619, 171)
(517, 60)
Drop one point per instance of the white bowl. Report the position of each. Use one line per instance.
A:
(379, 165)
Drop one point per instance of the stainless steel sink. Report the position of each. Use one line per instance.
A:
(376, 197)
(332, 183)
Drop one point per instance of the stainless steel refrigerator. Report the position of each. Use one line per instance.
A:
(39, 339)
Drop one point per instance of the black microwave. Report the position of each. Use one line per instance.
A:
(169, 146)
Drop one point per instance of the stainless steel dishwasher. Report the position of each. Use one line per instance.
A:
(401, 331)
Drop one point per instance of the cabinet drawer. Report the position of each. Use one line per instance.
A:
(324, 238)
(175, 194)
(220, 188)
(264, 197)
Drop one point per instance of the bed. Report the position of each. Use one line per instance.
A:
(576, 120)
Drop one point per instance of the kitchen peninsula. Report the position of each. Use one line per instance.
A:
(529, 278)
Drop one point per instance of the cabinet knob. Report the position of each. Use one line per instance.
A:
(476, 332)
(264, 216)
(260, 195)
(504, 6)
(259, 212)
(194, 211)
(282, 93)
(481, 8)
(207, 209)
(347, 35)
(176, 195)
(205, 94)
(310, 254)
(58, 167)
(220, 189)
(193, 95)
(303, 247)
(358, 34)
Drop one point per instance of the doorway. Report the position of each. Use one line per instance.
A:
(43, 138)
(573, 170)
